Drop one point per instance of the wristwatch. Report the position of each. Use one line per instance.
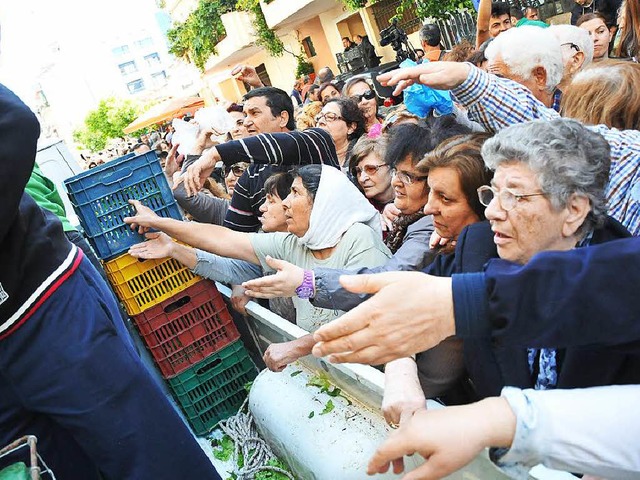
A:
(306, 289)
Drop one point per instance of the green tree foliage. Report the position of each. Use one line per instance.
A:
(433, 9)
(195, 40)
(105, 123)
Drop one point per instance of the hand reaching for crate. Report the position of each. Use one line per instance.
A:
(158, 245)
(143, 220)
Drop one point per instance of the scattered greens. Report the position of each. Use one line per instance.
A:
(311, 414)
(297, 372)
(327, 408)
(222, 449)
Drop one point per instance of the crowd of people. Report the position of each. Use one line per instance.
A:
(486, 258)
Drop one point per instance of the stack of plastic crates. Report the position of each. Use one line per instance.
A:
(182, 318)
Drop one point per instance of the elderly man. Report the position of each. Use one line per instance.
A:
(530, 56)
(577, 53)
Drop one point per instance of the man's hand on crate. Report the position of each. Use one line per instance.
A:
(144, 220)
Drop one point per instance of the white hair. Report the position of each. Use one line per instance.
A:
(527, 47)
(576, 35)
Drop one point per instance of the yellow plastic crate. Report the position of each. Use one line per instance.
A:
(141, 284)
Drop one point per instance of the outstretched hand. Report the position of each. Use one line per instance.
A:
(144, 218)
(196, 175)
(283, 283)
(438, 75)
(410, 312)
(158, 245)
(247, 74)
(448, 438)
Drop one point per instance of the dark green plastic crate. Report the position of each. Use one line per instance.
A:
(213, 389)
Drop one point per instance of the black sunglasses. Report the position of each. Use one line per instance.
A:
(237, 170)
(367, 95)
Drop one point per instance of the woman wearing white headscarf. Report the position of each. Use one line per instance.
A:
(330, 223)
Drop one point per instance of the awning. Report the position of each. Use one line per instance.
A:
(164, 111)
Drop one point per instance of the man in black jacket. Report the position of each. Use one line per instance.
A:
(68, 373)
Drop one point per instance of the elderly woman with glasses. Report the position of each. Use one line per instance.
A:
(361, 92)
(329, 223)
(345, 123)
(547, 193)
(372, 173)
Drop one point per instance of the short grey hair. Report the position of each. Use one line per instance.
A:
(566, 157)
(576, 35)
(527, 47)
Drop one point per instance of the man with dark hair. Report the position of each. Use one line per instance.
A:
(347, 44)
(493, 19)
(532, 13)
(608, 8)
(430, 38)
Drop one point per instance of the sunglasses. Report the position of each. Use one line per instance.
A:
(366, 95)
(237, 170)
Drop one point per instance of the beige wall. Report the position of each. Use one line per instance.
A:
(324, 56)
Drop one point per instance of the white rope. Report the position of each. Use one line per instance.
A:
(256, 452)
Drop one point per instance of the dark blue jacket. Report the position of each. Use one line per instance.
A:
(493, 363)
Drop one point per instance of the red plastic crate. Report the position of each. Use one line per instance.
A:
(187, 328)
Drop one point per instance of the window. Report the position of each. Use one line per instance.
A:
(136, 86)
(121, 50)
(261, 70)
(128, 67)
(152, 59)
(159, 79)
(144, 43)
(307, 45)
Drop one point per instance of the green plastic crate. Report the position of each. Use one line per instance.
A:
(213, 389)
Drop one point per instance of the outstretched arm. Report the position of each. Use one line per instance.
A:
(212, 238)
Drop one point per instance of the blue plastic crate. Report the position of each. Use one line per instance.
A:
(101, 197)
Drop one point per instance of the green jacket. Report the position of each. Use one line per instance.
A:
(44, 192)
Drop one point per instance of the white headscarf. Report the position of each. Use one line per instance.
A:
(338, 204)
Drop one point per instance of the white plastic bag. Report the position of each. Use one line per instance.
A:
(185, 135)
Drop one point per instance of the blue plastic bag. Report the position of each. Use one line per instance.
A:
(422, 100)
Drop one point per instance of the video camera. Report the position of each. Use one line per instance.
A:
(396, 37)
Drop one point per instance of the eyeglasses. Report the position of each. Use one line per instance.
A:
(367, 95)
(328, 117)
(237, 169)
(571, 45)
(407, 178)
(369, 169)
(508, 198)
